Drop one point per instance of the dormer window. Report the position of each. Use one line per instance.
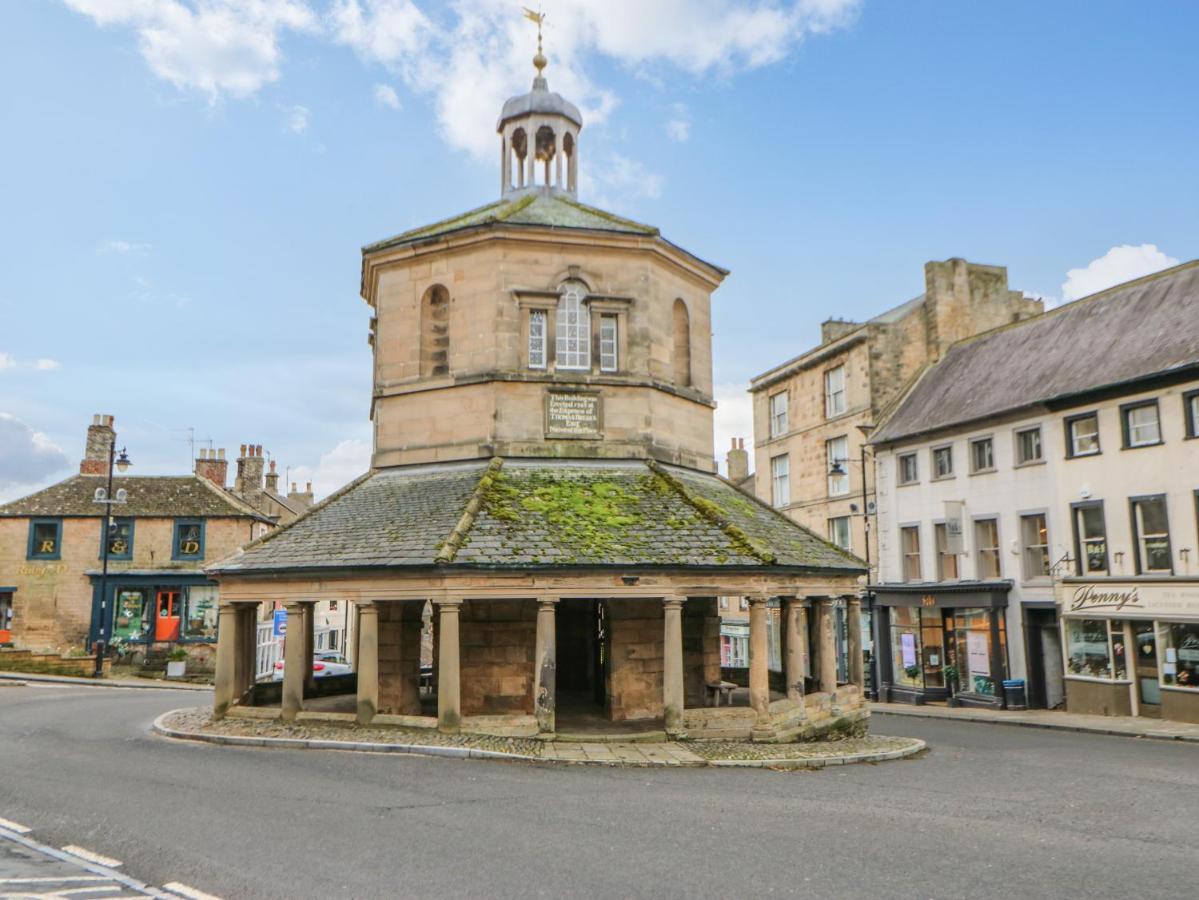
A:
(573, 349)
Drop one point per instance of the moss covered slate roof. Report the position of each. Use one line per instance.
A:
(166, 496)
(521, 514)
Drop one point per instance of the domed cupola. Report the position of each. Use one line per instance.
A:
(539, 139)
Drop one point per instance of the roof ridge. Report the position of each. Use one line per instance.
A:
(709, 511)
(453, 543)
(604, 214)
(227, 495)
(514, 207)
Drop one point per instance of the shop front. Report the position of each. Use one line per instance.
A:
(1131, 646)
(156, 611)
(942, 642)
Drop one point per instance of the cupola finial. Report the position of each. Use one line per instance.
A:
(539, 61)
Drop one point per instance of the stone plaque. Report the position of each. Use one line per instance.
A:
(572, 415)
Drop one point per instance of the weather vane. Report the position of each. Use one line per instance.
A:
(539, 18)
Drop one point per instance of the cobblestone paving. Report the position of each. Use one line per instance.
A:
(814, 750)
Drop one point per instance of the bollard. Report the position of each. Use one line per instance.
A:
(99, 648)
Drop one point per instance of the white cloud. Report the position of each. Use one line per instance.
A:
(214, 46)
(621, 179)
(297, 119)
(385, 95)
(27, 457)
(1119, 264)
(7, 362)
(679, 130)
(337, 468)
(120, 246)
(734, 419)
(47, 365)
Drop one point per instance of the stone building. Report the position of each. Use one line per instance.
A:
(543, 475)
(163, 534)
(811, 413)
(1038, 511)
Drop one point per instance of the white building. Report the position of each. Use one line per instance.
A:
(1038, 511)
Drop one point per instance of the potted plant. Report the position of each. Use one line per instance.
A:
(951, 682)
(176, 663)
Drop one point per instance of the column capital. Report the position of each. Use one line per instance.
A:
(758, 599)
(367, 606)
(295, 606)
(547, 602)
(674, 601)
(448, 603)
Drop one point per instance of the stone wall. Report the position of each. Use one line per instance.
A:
(497, 638)
(701, 649)
(399, 657)
(637, 662)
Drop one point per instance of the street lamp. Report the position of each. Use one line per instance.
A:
(107, 530)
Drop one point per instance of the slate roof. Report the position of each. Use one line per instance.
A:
(183, 496)
(1133, 331)
(521, 514)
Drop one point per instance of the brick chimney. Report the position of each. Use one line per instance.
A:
(304, 498)
(738, 461)
(100, 438)
(248, 484)
(272, 479)
(212, 465)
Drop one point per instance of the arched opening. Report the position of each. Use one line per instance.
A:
(546, 149)
(568, 150)
(574, 328)
(520, 150)
(682, 344)
(435, 332)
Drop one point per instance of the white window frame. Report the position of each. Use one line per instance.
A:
(1021, 460)
(907, 555)
(779, 404)
(538, 330)
(944, 558)
(1130, 429)
(1027, 547)
(780, 479)
(572, 351)
(1071, 436)
(838, 485)
(1143, 538)
(932, 455)
(899, 464)
(608, 342)
(975, 443)
(841, 527)
(980, 549)
(834, 392)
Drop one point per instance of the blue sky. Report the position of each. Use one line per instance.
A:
(187, 183)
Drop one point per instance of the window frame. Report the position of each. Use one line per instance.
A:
(775, 479)
(932, 461)
(914, 456)
(179, 523)
(1017, 454)
(774, 415)
(1076, 510)
(1025, 576)
(612, 320)
(941, 527)
(1069, 422)
(976, 521)
(843, 393)
(582, 336)
(542, 316)
(56, 521)
(1126, 410)
(1190, 414)
(973, 442)
(848, 520)
(904, 555)
(1137, 537)
(829, 460)
(122, 520)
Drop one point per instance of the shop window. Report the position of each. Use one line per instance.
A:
(45, 539)
(133, 614)
(537, 333)
(1034, 538)
(1082, 435)
(974, 648)
(909, 469)
(1142, 427)
(838, 532)
(607, 344)
(834, 392)
(909, 540)
(1190, 405)
(1151, 534)
(200, 621)
(942, 462)
(1095, 648)
(780, 480)
(982, 455)
(986, 547)
(905, 647)
(573, 350)
(1179, 642)
(189, 539)
(837, 453)
(1090, 538)
(778, 414)
(1028, 446)
(947, 563)
(120, 539)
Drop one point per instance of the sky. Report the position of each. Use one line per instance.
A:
(186, 184)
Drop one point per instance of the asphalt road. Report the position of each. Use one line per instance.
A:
(991, 811)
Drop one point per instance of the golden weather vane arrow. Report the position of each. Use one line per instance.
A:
(539, 18)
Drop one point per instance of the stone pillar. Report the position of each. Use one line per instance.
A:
(295, 661)
(545, 665)
(828, 645)
(759, 657)
(505, 166)
(227, 643)
(309, 644)
(796, 637)
(449, 693)
(243, 649)
(853, 625)
(672, 673)
(558, 159)
(368, 662)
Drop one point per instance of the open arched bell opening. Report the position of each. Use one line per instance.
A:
(682, 344)
(435, 332)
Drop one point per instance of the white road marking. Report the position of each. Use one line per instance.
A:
(13, 826)
(84, 853)
(190, 892)
(62, 880)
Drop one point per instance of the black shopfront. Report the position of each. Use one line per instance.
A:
(944, 642)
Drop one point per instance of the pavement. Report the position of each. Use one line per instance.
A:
(987, 812)
(152, 684)
(1126, 726)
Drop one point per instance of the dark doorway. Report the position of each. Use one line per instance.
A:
(581, 637)
(1043, 658)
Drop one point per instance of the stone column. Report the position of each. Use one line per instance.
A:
(545, 665)
(853, 625)
(505, 165)
(672, 674)
(227, 642)
(828, 645)
(449, 694)
(295, 661)
(309, 644)
(759, 657)
(796, 636)
(558, 159)
(368, 662)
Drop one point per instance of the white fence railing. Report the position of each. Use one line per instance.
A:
(270, 648)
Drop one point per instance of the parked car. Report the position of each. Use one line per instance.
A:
(324, 664)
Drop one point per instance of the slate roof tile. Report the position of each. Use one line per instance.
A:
(182, 496)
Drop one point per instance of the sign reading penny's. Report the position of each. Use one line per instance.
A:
(572, 414)
(1145, 599)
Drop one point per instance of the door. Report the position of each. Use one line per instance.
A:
(1149, 692)
(166, 616)
(1052, 666)
(5, 617)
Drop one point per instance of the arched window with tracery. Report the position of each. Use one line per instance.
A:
(574, 328)
(682, 344)
(435, 331)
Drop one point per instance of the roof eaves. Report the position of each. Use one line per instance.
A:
(809, 358)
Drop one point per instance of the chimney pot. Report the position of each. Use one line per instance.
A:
(100, 440)
(308, 488)
(243, 449)
(293, 487)
(220, 454)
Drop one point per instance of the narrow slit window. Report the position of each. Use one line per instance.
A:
(537, 339)
(608, 342)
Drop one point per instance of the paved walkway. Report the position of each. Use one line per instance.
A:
(154, 684)
(1129, 726)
